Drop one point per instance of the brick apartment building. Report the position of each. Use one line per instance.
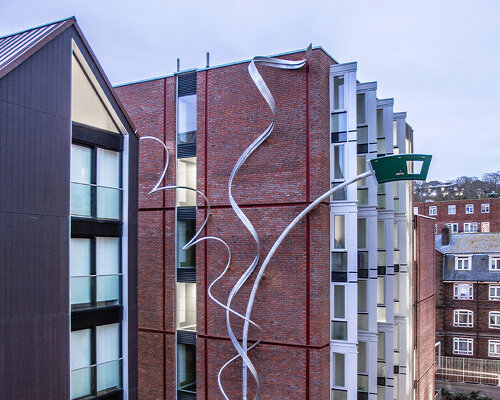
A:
(336, 301)
(468, 294)
(473, 215)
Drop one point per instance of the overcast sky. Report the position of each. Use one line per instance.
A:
(438, 59)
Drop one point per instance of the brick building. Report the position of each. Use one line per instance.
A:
(468, 294)
(473, 215)
(424, 303)
(335, 304)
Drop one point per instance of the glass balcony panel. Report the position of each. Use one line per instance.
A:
(81, 382)
(339, 122)
(339, 394)
(108, 203)
(81, 199)
(81, 290)
(109, 375)
(362, 196)
(339, 330)
(363, 322)
(381, 369)
(363, 383)
(108, 288)
(381, 314)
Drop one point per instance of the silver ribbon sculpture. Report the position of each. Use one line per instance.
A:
(243, 349)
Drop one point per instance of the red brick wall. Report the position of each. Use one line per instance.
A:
(290, 169)
(424, 307)
(442, 217)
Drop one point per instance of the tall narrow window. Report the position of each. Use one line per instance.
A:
(186, 306)
(339, 232)
(185, 231)
(339, 324)
(339, 127)
(339, 162)
(186, 126)
(108, 184)
(338, 93)
(361, 108)
(339, 369)
(81, 179)
(380, 123)
(186, 368)
(186, 176)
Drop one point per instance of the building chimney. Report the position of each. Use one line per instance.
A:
(445, 235)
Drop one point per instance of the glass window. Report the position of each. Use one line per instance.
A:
(463, 318)
(339, 127)
(338, 162)
(361, 166)
(381, 203)
(494, 319)
(95, 360)
(432, 210)
(80, 361)
(339, 195)
(186, 176)
(186, 306)
(494, 263)
(339, 232)
(380, 123)
(362, 146)
(363, 196)
(485, 226)
(494, 348)
(380, 234)
(100, 198)
(185, 231)
(415, 210)
(339, 330)
(339, 301)
(381, 346)
(453, 227)
(338, 93)
(381, 258)
(469, 208)
(361, 108)
(485, 208)
(95, 281)
(462, 346)
(452, 209)
(339, 369)
(339, 266)
(362, 296)
(186, 368)
(186, 126)
(394, 134)
(463, 263)
(462, 291)
(81, 179)
(380, 290)
(381, 146)
(362, 364)
(361, 233)
(494, 292)
(339, 394)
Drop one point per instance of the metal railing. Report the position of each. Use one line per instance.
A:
(468, 370)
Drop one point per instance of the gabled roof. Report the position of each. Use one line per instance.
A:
(18, 47)
(470, 243)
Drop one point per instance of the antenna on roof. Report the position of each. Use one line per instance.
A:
(208, 59)
(178, 64)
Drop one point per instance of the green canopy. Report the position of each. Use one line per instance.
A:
(400, 167)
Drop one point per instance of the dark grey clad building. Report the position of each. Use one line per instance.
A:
(68, 218)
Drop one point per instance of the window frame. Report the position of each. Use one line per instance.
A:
(469, 209)
(456, 292)
(469, 343)
(432, 210)
(452, 207)
(496, 289)
(463, 258)
(485, 208)
(94, 364)
(485, 227)
(460, 313)
(496, 317)
(494, 260)
(496, 344)
(94, 149)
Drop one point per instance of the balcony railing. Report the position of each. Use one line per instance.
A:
(90, 289)
(93, 201)
(468, 370)
(90, 380)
